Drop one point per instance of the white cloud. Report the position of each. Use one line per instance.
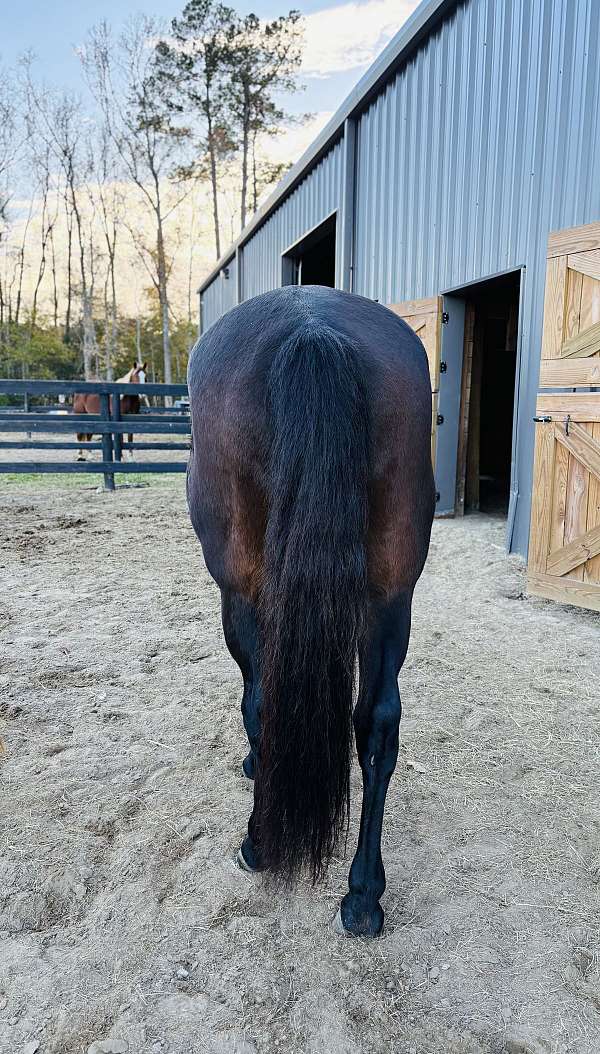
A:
(349, 36)
(292, 143)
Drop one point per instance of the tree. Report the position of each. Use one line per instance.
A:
(13, 138)
(58, 120)
(123, 75)
(193, 66)
(264, 59)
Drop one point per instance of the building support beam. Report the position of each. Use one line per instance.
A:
(239, 274)
(345, 255)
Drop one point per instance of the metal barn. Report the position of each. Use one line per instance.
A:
(435, 189)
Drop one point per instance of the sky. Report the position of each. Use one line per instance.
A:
(342, 39)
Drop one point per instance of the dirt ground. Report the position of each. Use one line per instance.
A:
(125, 925)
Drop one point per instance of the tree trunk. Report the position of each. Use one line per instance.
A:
(163, 297)
(245, 145)
(69, 274)
(113, 310)
(54, 283)
(213, 169)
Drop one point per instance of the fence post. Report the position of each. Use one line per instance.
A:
(116, 416)
(107, 444)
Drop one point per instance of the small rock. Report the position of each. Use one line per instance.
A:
(31, 1047)
(434, 973)
(390, 985)
(3, 1001)
(182, 974)
(445, 966)
(109, 1046)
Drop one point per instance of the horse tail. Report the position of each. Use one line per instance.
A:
(313, 599)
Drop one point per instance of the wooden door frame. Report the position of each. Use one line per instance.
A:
(463, 291)
(564, 546)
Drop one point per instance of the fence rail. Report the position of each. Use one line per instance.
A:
(110, 424)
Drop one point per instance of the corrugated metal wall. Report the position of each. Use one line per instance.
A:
(220, 296)
(488, 139)
(310, 203)
(315, 198)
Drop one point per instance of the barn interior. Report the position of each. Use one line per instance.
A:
(311, 261)
(488, 395)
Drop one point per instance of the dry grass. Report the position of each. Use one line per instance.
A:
(122, 913)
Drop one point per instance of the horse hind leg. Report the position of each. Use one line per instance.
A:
(81, 437)
(241, 637)
(376, 724)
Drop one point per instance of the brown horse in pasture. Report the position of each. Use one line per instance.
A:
(89, 403)
(311, 489)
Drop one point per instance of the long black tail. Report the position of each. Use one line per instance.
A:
(314, 598)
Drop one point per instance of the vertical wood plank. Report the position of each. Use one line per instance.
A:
(541, 502)
(592, 568)
(573, 305)
(576, 507)
(554, 307)
(590, 302)
(559, 497)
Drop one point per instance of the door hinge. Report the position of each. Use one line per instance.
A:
(445, 318)
(439, 419)
(443, 367)
(437, 496)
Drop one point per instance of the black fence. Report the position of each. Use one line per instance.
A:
(109, 424)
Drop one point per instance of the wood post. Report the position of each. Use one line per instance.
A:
(107, 443)
(116, 416)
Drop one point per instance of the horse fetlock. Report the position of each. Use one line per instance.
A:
(359, 916)
(247, 856)
(249, 766)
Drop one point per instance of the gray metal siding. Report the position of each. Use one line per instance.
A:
(311, 202)
(219, 296)
(484, 142)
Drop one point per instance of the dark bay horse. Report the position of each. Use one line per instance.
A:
(311, 489)
(89, 402)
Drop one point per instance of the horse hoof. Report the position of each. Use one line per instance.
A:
(359, 922)
(338, 925)
(248, 767)
(243, 864)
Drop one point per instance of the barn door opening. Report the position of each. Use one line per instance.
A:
(564, 542)
(488, 388)
(311, 260)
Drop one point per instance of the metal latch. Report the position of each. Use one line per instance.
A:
(544, 420)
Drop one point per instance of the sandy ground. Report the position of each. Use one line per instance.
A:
(124, 923)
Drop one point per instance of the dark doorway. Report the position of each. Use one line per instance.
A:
(488, 395)
(311, 261)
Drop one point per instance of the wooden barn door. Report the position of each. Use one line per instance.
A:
(425, 317)
(564, 546)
